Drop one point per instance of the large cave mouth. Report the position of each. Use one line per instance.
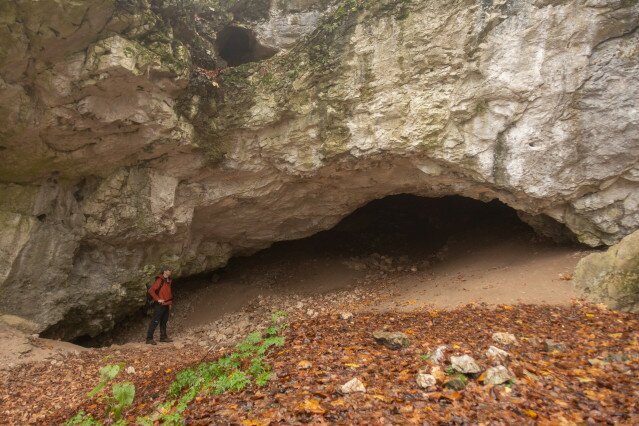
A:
(238, 45)
(422, 239)
(413, 226)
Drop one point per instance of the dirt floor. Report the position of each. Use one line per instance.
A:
(401, 258)
(404, 253)
(20, 348)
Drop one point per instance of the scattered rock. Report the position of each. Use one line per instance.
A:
(552, 346)
(457, 382)
(23, 349)
(531, 376)
(497, 375)
(130, 369)
(611, 277)
(392, 340)
(465, 364)
(346, 316)
(505, 338)
(596, 362)
(178, 345)
(438, 374)
(622, 357)
(535, 341)
(439, 354)
(496, 354)
(426, 381)
(352, 386)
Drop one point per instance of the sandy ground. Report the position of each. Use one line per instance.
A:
(505, 271)
(480, 267)
(379, 260)
(19, 348)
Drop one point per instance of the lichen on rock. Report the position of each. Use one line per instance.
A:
(130, 142)
(612, 277)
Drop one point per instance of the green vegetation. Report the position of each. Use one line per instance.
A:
(122, 395)
(231, 373)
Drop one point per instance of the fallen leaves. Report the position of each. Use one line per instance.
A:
(311, 406)
(593, 381)
(304, 365)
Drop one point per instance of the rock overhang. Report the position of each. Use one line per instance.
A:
(374, 99)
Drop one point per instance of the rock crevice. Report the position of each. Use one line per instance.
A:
(127, 143)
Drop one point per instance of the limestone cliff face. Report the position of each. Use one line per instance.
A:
(612, 277)
(124, 146)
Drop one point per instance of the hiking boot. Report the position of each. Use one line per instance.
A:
(150, 342)
(165, 340)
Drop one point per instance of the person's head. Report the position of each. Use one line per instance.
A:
(165, 271)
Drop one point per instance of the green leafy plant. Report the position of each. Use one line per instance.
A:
(122, 395)
(231, 373)
(107, 373)
(82, 419)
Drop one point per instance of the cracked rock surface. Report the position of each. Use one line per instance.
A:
(126, 143)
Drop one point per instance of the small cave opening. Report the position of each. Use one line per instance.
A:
(238, 45)
(442, 251)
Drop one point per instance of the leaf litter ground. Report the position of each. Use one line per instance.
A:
(593, 380)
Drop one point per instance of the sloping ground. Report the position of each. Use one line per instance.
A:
(592, 380)
(402, 252)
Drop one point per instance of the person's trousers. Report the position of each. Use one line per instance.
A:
(160, 316)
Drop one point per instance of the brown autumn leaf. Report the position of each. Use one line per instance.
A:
(311, 405)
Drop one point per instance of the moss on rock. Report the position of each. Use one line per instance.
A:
(612, 277)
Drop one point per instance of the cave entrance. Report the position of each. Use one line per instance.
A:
(439, 252)
(238, 45)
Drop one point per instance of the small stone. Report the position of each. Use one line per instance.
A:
(392, 340)
(465, 364)
(534, 341)
(346, 316)
(353, 385)
(202, 343)
(425, 381)
(439, 354)
(496, 354)
(531, 376)
(552, 346)
(457, 382)
(130, 369)
(24, 349)
(505, 338)
(178, 345)
(438, 373)
(497, 375)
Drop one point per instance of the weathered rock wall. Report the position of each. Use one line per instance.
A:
(612, 277)
(124, 146)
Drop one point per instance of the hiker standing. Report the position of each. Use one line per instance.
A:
(161, 292)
